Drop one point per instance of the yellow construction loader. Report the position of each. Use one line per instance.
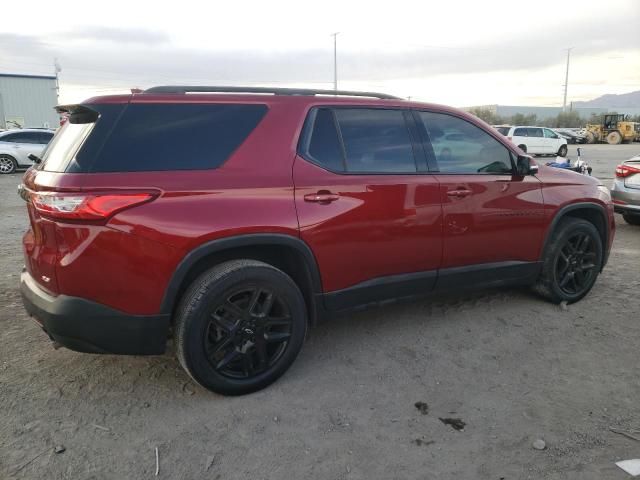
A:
(613, 129)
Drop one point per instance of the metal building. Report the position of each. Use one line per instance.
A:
(28, 101)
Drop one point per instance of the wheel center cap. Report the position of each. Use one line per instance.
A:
(248, 331)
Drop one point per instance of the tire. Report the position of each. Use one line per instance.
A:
(591, 138)
(562, 152)
(8, 164)
(631, 219)
(614, 138)
(563, 256)
(523, 148)
(221, 328)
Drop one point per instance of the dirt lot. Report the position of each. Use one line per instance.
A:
(512, 367)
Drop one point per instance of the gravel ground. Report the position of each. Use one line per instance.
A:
(512, 367)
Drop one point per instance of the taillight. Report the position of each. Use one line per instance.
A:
(85, 206)
(626, 170)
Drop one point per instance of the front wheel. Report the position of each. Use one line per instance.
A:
(562, 152)
(7, 164)
(614, 138)
(240, 326)
(572, 261)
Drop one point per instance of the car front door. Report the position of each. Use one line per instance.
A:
(372, 220)
(493, 218)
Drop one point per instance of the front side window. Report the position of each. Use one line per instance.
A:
(549, 133)
(44, 137)
(463, 148)
(375, 140)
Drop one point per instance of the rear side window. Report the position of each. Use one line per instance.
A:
(463, 148)
(361, 140)
(176, 137)
(324, 145)
(520, 132)
(534, 132)
(376, 141)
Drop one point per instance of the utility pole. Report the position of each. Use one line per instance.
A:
(335, 61)
(57, 69)
(566, 81)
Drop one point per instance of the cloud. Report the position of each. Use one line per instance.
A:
(126, 57)
(116, 35)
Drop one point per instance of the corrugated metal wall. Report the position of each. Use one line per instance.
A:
(28, 98)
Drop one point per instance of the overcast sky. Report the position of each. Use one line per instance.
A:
(460, 52)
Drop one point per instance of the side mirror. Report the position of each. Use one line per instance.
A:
(526, 166)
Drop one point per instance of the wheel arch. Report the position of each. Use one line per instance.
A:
(285, 252)
(592, 212)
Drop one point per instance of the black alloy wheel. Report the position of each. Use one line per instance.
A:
(248, 332)
(239, 326)
(576, 264)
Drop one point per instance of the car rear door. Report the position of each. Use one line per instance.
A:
(493, 218)
(537, 142)
(372, 220)
(27, 143)
(552, 141)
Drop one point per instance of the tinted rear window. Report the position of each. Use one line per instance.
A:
(176, 137)
(376, 140)
(324, 146)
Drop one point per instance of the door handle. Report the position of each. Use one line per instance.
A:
(463, 192)
(321, 197)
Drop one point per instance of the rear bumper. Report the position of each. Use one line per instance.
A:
(625, 199)
(86, 326)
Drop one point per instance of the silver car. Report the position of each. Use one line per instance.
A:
(17, 145)
(626, 190)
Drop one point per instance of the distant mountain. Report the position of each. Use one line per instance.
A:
(631, 99)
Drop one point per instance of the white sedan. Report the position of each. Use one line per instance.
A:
(17, 145)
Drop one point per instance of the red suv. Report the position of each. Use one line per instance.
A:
(232, 218)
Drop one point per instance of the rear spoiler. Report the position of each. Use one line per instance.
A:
(78, 113)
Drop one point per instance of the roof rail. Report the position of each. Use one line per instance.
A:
(182, 89)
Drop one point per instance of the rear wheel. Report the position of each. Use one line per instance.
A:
(572, 261)
(240, 326)
(591, 138)
(631, 219)
(7, 164)
(614, 138)
(562, 152)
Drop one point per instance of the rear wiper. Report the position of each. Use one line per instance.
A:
(34, 158)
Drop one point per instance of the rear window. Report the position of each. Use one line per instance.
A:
(176, 137)
(148, 137)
